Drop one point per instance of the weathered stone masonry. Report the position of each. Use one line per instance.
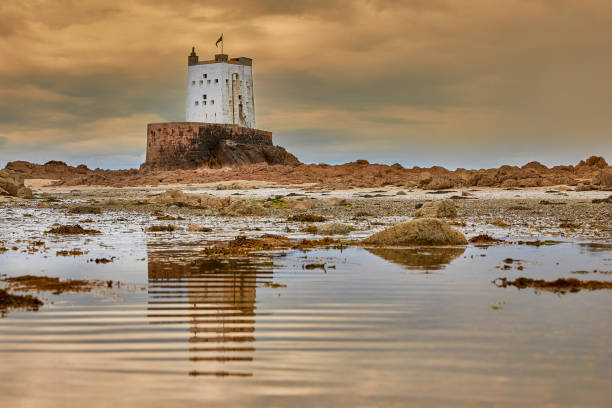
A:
(194, 144)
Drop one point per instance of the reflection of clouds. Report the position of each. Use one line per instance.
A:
(419, 258)
(217, 299)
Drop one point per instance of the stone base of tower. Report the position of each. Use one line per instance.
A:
(175, 145)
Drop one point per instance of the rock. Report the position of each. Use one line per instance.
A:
(335, 201)
(25, 192)
(11, 186)
(178, 197)
(300, 205)
(443, 182)
(425, 231)
(244, 208)
(334, 228)
(228, 153)
(174, 197)
(584, 187)
(602, 200)
(597, 161)
(603, 178)
(437, 209)
(537, 166)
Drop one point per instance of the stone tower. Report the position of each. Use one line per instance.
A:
(220, 90)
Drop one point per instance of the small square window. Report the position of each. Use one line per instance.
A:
(227, 81)
(196, 103)
(203, 96)
(216, 81)
(205, 75)
(240, 97)
(203, 102)
(212, 101)
(192, 82)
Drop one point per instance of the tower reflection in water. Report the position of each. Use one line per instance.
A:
(217, 299)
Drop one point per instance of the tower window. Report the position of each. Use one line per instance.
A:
(201, 81)
(216, 81)
(192, 83)
(203, 96)
(205, 75)
(203, 102)
(239, 96)
(227, 81)
(196, 103)
(208, 82)
(212, 101)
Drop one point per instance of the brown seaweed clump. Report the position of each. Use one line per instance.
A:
(162, 228)
(243, 246)
(9, 301)
(561, 285)
(307, 218)
(484, 239)
(72, 230)
(56, 286)
(85, 209)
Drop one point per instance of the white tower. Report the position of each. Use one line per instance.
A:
(220, 91)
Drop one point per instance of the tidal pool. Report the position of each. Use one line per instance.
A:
(327, 327)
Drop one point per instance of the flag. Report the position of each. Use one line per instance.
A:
(218, 41)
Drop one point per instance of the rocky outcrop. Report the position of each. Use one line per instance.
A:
(424, 231)
(228, 154)
(12, 186)
(265, 162)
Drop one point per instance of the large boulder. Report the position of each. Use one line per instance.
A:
(437, 209)
(9, 185)
(424, 231)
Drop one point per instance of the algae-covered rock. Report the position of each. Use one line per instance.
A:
(334, 228)
(178, 197)
(424, 231)
(437, 209)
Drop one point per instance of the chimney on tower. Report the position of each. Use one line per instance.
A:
(193, 57)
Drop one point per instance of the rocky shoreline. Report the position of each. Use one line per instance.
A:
(593, 173)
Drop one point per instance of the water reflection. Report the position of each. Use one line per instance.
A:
(217, 298)
(419, 258)
(594, 247)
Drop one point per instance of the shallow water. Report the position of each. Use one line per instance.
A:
(371, 327)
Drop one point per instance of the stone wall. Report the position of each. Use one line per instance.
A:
(194, 144)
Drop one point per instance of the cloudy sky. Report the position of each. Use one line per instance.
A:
(472, 83)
